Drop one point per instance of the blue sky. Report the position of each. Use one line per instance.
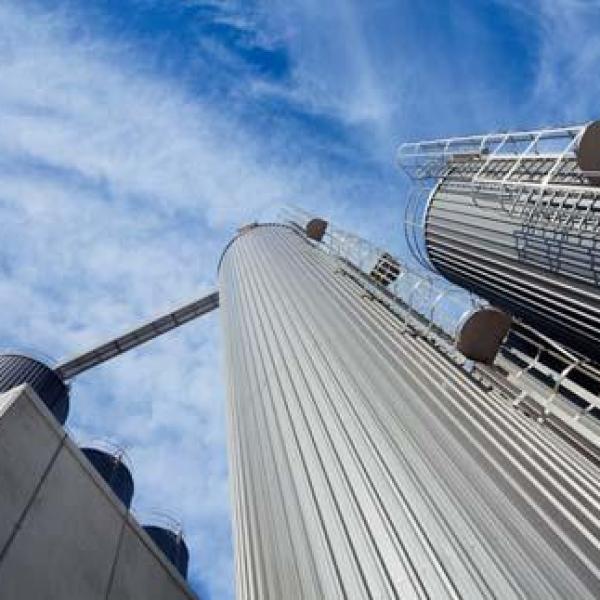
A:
(136, 135)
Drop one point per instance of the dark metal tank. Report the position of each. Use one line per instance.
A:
(172, 545)
(16, 369)
(114, 471)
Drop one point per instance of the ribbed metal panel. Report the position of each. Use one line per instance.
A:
(533, 254)
(444, 313)
(16, 369)
(366, 465)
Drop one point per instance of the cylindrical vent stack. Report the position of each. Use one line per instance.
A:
(365, 465)
(113, 470)
(16, 369)
(172, 545)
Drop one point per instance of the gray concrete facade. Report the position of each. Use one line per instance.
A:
(63, 533)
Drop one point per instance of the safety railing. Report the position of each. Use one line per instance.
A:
(428, 303)
(542, 177)
(570, 374)
(541, 155)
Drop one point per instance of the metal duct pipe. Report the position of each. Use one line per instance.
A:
(364, 464)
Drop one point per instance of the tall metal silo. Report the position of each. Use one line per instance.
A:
(366, 464)
(515, 218)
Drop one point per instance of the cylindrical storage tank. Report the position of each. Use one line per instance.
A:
(172, 545)
(365, 464)
(114, 471)
(531, 251)
(16, 369)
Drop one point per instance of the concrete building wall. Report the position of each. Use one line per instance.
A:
(63, 533)
(365, 464)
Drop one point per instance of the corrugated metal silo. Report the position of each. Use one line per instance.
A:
(515, 218)
(365, 464)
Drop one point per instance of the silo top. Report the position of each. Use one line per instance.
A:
(113, 470)
(246, 229)
(16, 369)
(172, 545)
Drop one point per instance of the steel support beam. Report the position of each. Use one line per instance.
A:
(92, 358)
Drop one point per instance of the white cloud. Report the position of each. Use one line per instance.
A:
(334, 71)
(568, 82)
(564, 83)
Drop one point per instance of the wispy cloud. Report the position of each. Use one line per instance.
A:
(568, 82)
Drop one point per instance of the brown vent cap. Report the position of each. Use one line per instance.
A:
(315, 229)
(482, 333)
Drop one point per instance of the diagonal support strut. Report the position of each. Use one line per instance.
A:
(119, 345)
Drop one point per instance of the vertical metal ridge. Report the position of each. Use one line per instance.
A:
(326, 448)
(253, 352)
(367, 465)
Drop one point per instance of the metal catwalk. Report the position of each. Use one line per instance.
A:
(366, 464)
